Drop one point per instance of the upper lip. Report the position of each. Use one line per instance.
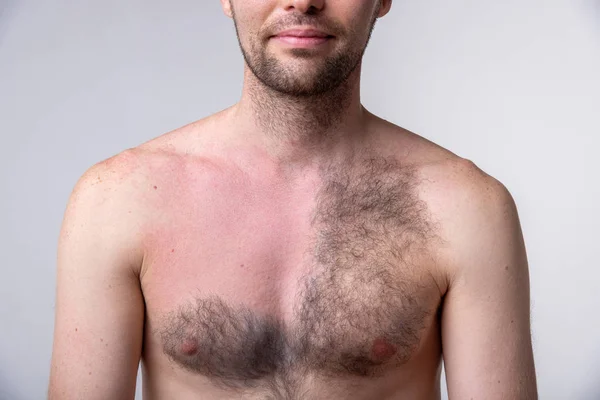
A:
(303, 33)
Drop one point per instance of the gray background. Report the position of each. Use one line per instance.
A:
(512, 85)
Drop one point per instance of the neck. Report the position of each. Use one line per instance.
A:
(299, 131)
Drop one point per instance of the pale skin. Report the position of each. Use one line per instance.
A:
(221, 206)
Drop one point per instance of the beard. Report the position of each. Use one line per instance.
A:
(312, 75)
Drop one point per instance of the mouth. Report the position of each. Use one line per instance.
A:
(304, 38)
(302, 41)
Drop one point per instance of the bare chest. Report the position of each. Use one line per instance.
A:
(247, 293)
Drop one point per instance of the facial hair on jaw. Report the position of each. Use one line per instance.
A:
(322, 96)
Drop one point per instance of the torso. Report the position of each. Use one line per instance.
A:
(255, 289)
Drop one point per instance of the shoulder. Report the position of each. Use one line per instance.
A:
(473, 212)
(115, 177)
(104, 196)
(133, 177)
(460, 182)
(462, 199)
(453, 187)
(108, 206)
(135, 182)
(135, 171)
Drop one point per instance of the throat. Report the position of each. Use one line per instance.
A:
(299, 124)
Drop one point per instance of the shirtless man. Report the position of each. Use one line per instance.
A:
(292, 246)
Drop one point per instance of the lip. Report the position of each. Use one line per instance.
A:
(303, 42)
(303, 33)
(302, 38)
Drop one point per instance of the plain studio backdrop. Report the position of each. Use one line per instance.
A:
(513, 85)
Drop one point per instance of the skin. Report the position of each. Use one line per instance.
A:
(363, 274)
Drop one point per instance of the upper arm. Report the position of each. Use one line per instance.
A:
(99, 306)
(486, 317)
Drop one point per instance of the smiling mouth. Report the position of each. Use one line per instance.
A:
(302, 37)
(302, 41)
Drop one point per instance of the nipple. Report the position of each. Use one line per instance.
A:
(189, 347)
(382, 350)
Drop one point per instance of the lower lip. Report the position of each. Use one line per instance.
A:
(302, 41)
